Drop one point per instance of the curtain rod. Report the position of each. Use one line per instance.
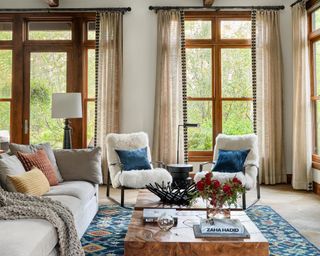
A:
(296, 2)
(49, 10)
(217, 8)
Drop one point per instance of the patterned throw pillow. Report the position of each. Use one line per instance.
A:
(33, 183)
(40, 160)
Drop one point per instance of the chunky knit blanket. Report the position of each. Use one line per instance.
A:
(15, 206)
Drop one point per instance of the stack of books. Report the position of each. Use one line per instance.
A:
(221, 228)
(152, 215)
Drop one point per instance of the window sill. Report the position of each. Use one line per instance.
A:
(200, 156)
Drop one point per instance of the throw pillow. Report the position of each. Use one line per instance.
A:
(231, 160)
(32, 183)
(136, 159)
(40, 160)
(14, 148)
(9, 166)
(80, 164)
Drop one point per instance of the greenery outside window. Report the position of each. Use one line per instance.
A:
(219, 86)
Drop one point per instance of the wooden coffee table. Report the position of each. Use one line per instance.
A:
(150, 240)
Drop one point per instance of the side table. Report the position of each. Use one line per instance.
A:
(180, 174)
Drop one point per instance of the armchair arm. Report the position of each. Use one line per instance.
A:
(159, 163)
(253, 165)
(203, 164)
(250, 165)
(119, 164)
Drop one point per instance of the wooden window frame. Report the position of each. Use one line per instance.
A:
(216, 43)
(88, 44)
(314, 36)
(20, 46)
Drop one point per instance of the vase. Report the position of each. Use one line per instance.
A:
(218, 211)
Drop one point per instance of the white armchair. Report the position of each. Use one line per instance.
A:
(133, 179)
(250, 175)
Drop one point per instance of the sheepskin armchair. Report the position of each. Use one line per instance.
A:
(250, 176)
(133, 178)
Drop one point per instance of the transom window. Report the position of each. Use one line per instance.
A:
(219, 85)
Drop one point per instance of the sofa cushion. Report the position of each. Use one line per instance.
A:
(9, 166)
(28, 237)
(33, 182)
(80, 164)
(14, 148)
(74, 204)
(35, 237)
(82, 190)
(40, 160)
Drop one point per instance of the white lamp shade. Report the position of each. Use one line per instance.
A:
(66, 105)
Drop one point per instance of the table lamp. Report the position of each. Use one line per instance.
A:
(66, 106)
(186, 125)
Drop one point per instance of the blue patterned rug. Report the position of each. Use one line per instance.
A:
(106, 234)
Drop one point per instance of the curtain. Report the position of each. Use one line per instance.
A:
(109, 79)
(168, 95)
(269, 98)
(302, 143)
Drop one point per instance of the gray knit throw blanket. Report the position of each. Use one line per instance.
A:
(15, 206)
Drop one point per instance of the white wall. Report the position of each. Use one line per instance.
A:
(140, 57)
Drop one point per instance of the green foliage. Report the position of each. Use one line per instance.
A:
(48, 75)
(198, 29)
(235, 83)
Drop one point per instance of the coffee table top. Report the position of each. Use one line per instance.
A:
(143, 239)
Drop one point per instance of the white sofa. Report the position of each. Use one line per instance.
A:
(37, 237)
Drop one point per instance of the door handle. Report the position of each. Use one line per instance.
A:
(26, 126)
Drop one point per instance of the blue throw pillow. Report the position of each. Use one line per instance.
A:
(136, 159)
(231, 160)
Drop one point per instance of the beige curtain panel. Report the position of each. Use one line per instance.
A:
(110, 59)
(269, 98)
(302, 143)
(168, 95)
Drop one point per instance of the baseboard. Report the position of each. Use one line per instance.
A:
(289, 179)
(316, 188)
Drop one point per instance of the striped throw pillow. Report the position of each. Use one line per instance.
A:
(33, 183)
(40, 160)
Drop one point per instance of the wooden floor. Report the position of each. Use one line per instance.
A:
(301, 209)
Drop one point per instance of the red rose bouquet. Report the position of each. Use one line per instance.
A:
(217, 194)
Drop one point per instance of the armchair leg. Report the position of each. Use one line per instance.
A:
(108, 184)
(244, 205)
(122, 196)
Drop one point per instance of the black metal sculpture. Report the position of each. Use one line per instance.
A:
(169, 195)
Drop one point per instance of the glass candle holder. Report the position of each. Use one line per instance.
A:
(165, 222)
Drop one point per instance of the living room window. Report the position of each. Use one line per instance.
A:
(49, 53)
(218, 78)
(314, 42)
